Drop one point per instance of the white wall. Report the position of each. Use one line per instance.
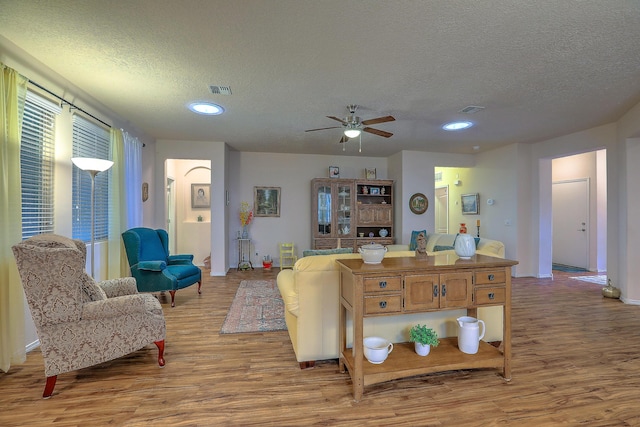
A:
(293, 174)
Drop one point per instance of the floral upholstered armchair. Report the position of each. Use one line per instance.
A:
(152, 266)
(81, 322)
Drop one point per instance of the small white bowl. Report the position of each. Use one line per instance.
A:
(372, 253)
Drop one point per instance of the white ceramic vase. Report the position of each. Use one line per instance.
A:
(422, 349)
(465, 246)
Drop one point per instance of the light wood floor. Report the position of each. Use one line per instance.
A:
(576, 361)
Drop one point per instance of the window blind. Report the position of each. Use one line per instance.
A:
(90, 140)
(37, 160)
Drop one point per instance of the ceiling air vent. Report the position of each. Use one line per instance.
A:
(471, 109)
(220, 90)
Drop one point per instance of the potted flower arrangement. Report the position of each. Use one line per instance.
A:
(246, 215)
(423, 338)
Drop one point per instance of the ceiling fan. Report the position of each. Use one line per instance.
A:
(353, 127)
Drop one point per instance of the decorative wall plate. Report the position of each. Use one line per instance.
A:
(418, 203)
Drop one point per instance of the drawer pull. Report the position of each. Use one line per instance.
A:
(492, 277)
(383, 304)
(382, 284)
(435, 291)
(444, 290)
(492, 295)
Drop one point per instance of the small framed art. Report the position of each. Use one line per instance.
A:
(334, 172)
(266, 201)
(200, 196)
(470, 204)
(370, 173)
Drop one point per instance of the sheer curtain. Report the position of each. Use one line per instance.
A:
(125, 199)
(133, 175)
(13, 91)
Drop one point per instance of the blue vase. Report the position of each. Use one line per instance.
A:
(245, 232)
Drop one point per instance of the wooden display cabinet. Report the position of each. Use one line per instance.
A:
(351, 213)
(332, 207)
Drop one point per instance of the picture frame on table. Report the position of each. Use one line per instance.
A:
(470, 204)
(266, 201)
(200, 196)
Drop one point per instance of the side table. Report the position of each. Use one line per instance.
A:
(244, 254)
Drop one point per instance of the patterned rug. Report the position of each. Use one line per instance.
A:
(257, 307)
(600, 280)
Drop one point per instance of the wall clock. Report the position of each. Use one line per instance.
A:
(418, 203)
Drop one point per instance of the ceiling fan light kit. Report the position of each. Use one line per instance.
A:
(353, 127)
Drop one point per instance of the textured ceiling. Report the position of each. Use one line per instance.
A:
(540, 68)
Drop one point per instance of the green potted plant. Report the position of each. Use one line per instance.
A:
(423, 338)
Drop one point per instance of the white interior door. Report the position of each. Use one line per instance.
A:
(441, 206)
(571, 222)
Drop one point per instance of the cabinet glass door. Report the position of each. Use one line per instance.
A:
(324, 210)
(343, 209)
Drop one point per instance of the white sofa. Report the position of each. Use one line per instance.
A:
(311, 295)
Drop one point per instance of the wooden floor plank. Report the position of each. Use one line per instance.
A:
(576, 361)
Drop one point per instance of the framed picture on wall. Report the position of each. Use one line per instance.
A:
(470, 204)
(266, 201)
(334, 172)
(418, 203)
(370, 173)
(200, 196)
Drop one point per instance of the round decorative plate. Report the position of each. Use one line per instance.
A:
(418, 203)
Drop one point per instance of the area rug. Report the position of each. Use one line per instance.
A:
(257, 307)
(567, 268)
(600, 280)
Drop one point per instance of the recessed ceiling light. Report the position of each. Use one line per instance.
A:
(457, 125)
(207, 108)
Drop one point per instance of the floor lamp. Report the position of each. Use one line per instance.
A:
(94, 167)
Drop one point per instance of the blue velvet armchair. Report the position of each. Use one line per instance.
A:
(152, 266)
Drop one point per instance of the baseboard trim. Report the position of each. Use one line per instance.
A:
(32, 346)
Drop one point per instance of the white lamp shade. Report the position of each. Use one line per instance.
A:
(91, 164)
(351, 133)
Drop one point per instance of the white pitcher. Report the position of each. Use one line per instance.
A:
(469, 335)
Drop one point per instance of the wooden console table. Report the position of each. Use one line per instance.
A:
(408, 285)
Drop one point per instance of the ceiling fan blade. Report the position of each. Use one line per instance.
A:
(344, 139)
(335, 118)
(379, 120)
(313, 130)
(378, 132)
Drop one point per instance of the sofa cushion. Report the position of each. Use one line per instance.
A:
(414, 236)
(311, 252)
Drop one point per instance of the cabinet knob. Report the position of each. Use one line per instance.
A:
(383, 284)
(492, 277)
(444, 290)
(492, 295)
(383, 304)
(435, 291)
